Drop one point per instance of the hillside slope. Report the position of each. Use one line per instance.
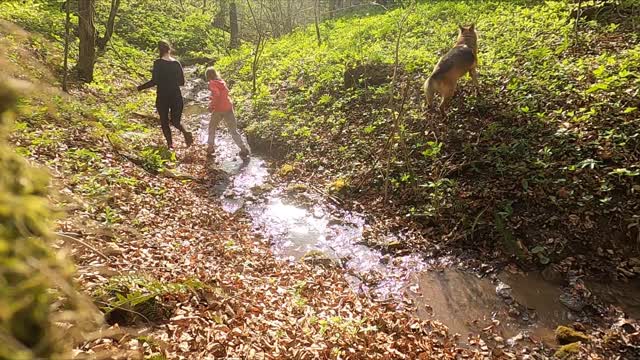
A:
(542, 165)
(174, 275)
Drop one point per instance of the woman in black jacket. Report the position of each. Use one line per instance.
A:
(168, 76)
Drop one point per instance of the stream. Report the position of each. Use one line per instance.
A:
(300, 221)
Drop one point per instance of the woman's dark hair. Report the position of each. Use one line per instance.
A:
(164, 47)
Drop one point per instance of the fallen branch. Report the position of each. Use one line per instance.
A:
(78, 241)
(145, 116)
(132, 159)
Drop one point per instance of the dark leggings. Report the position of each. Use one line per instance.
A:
(170, 111)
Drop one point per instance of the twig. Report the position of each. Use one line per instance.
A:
(119, 307)
(69, 237)
(328, 196)
(475, 222)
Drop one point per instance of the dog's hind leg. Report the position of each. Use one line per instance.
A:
(474, 78)
(429, 91)
(447, 94)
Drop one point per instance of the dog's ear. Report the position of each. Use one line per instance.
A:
(472, 27)
(460, 27)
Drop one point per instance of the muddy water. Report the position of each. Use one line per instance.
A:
(300, 220)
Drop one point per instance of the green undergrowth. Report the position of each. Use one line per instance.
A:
(81, 132)
(129, 299)
(552, 135)
(140, 24)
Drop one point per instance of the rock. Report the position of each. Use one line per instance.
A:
(568, 351)
(513, 312)
(112, 249)
(503, 290)
(261, 189)
(552, 275)
(634, 262)
(512, 341)
(572, 302)
(626, 326)
(567, 335)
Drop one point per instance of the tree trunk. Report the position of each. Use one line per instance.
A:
(67, 25)
(317, 21)
(233, 25)
(103, 41)
(333, 6)
(87, 35)
(220, 19)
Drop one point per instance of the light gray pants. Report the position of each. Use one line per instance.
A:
(232, 124)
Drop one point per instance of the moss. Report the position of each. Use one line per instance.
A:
(285, 170)
(568, 351)
(567, 335)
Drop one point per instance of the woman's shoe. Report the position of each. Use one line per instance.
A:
(188, 138)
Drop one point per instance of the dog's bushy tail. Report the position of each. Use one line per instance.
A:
(429, 90)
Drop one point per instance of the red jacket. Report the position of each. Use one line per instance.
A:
(220, 100)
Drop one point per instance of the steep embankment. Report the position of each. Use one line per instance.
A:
(543, 165)
(156, 252)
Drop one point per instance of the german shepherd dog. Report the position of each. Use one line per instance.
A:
(460, 60)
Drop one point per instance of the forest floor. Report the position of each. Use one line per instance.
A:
(176, 275)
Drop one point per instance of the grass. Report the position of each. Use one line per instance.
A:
(554, 131)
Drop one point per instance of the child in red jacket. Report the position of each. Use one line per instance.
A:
(221, 108)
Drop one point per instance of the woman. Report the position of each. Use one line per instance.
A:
(221, 108)
(168, 76)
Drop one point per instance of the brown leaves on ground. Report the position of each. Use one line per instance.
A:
(249, 305)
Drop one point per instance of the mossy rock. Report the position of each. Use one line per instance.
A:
(567, 335)
(261, 189)
(569, 351)
(297, 188)
(317, 257)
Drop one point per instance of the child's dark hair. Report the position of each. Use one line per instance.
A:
(164, 47)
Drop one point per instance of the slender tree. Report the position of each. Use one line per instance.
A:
(103, 41)
(87, 35)
(67, 26)
(317, 20)
(233, 25)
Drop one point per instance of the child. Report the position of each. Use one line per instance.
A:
(221, 108)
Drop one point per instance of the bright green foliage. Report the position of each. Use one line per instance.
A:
(139, 23)
(557, 109)
(26, 261)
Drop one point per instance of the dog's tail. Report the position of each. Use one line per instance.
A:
(429, 90)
